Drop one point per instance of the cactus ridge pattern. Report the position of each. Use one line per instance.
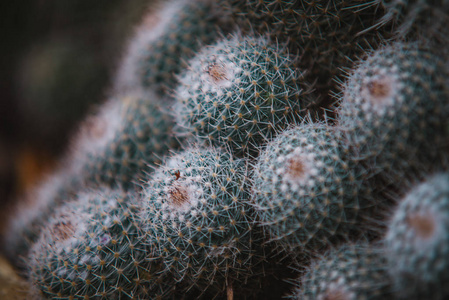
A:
(94, 249)
(239, 93)
(417, 240)
(197, 207)
(307, 195)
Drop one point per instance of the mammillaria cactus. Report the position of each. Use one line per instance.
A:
(197, 208)
(239, 92)
(168, 36)
(417, 241)
(94, 249)
(306, 194)
(26, 223)
(116, 147)
(352, 272)
(394, 109)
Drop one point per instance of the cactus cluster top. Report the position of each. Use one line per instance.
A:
(220, 169)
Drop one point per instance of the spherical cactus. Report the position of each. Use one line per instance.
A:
(168, 36)
(239, 92)
(307, 195)
(417, 241)
(328, 35)
(197, 208)
(394, 109)
(93, 249)
(116, 147)
(352, 272)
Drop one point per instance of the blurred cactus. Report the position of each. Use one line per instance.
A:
(352, 272)
(417, 241)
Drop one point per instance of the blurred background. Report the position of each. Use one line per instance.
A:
(57, 60)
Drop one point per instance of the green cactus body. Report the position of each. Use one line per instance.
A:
(352, 272)
(328, 35)
(116, 147)
(169, 36)
(238, 93)
(417, 241)
(197, 209)
(93, 249)
(393, 110)
(306, 194)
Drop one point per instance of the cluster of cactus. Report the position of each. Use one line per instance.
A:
(223, 178)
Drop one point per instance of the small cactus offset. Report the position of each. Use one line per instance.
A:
(417, 241)
(197, 209)
(306, 194)
(239, 93)
(394, 108)
(352, 272)
(93, 249)
(167, 38)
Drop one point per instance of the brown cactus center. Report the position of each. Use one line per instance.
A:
(63, 230)
(295, 167)
(423, 225)
(217, 72)
(335, 294)
(178, 195)
(379, 89)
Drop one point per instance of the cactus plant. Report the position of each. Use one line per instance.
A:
(116, 147)
(425, 20)
(394, 109)
(328, 35)
(93, 248)
(239, 92)
(351, 272)
(168, 36)
(306, 193)
(32, 213)
(417, 241)
(197, 208)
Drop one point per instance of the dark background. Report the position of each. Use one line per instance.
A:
(57, 59)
